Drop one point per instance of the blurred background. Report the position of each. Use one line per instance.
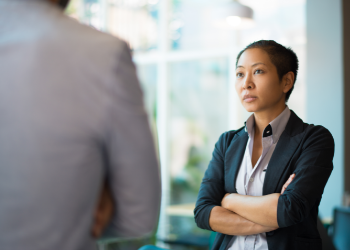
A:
(185, 52)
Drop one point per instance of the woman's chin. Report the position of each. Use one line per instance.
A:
(250, 108)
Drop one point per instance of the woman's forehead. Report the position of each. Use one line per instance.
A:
(254, 56)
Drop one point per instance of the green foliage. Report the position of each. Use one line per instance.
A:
(188, 184)
(72, 8)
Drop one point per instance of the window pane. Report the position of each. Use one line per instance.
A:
(147, 75)
(191, 25)
(198, 96)
(134, 21)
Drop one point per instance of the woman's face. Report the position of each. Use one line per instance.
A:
(257, 83)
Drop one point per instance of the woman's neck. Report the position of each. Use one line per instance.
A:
(263, 118)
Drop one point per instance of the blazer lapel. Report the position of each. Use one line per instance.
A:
(285, 148)
(233, 159)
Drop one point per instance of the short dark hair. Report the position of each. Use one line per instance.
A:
(284, 59)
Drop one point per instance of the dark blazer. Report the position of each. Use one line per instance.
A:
(304, 149)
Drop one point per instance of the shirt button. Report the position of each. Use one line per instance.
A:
(251, 179)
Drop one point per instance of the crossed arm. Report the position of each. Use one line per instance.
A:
(246, 215)
(234, 214)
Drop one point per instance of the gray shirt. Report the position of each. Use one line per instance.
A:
(250, 179)
(71, 113)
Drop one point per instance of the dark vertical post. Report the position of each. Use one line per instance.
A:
(346, 65)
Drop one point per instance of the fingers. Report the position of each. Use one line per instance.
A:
(269, 229)
(96, 228)
(103, 213)
(290, 179)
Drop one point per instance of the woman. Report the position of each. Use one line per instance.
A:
(265, 181)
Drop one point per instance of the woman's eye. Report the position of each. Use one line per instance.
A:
(258, 71)
(239, 75)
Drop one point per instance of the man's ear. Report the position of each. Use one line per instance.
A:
(288, 81)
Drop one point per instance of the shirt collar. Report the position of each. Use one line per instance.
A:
(249, 125)
(275, 128)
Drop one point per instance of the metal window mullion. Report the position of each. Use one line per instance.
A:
(103, 15)
(233, 102)
(163, 116)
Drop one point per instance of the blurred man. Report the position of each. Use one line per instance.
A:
(72, 121)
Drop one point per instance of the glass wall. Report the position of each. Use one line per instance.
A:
(197, 117)
(186, 64)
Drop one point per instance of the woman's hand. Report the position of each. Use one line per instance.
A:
(264, 229)
(226, 202)
(261, 210)
(291, 177)
(229, 198)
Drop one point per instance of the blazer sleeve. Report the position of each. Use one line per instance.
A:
(312, 169)
(132, 168)
(212, 188)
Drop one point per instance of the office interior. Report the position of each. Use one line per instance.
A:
(185, 52)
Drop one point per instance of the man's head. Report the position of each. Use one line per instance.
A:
(62, 3)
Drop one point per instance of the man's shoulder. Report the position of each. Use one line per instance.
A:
(84, 36)
(79, 44)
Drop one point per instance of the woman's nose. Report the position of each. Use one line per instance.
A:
(247, 84)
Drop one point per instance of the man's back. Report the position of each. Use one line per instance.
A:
(71, 112)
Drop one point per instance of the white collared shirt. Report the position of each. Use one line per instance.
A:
(250, 180)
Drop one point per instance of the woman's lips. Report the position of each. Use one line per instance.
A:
(249, 98)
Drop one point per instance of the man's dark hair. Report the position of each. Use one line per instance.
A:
(284, 59)
(63, 3)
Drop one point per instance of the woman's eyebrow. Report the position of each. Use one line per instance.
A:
(255, 64)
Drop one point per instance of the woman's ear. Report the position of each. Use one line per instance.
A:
(288, 81)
